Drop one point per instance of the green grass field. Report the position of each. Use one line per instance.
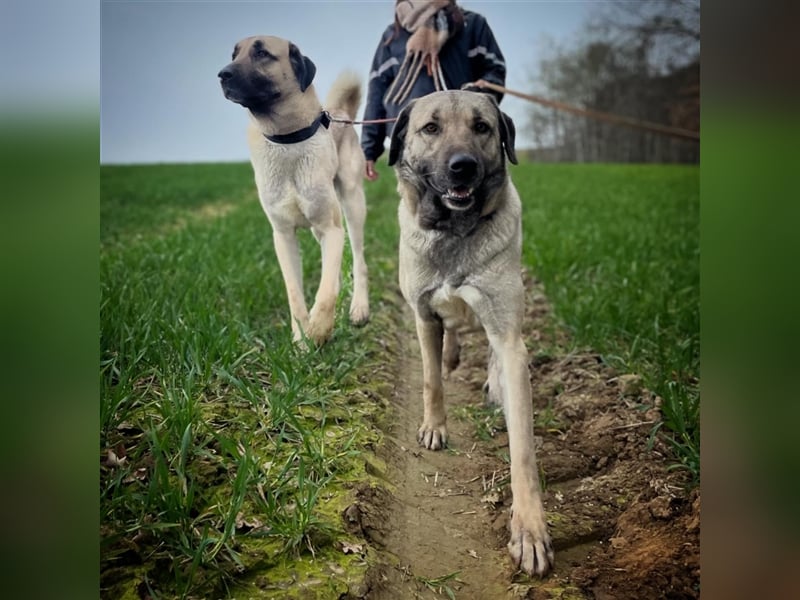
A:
(211, 413)
(618, 250)
(224, 447)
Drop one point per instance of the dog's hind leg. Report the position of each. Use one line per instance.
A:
(355, 214)
(451, 353)
(493, 388)
(289, 260)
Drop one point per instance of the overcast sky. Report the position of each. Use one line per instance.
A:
(160, 97)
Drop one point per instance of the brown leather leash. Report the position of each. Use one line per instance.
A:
(584, 112)
(596, 114)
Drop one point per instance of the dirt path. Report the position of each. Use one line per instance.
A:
(436, 526)
(622, 525)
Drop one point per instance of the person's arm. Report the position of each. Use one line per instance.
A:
(373, 135)
(486, 58)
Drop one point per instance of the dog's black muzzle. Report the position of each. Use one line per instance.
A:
(464, 174)
(462, 168)
(231, 80)
(243, 87)
(226, 74)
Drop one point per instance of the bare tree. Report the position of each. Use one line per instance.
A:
(637, 60)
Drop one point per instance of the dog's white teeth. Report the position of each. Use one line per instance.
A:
(463, 193)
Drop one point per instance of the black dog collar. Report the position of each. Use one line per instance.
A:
(301, 135)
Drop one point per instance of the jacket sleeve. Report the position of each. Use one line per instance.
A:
(487, 61)
(374, 135)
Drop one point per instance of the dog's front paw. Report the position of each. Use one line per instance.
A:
(319, 328)
(432, 437)
(530, 547)
(359, 313)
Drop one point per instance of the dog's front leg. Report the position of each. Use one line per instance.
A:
(288, 255)
(320, 320)
(530, 547)
(433, 432)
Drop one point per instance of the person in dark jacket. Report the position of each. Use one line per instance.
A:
(432, 45)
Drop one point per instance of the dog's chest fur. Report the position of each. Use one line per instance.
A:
(287, 174)
(439, 268)
(448, 303)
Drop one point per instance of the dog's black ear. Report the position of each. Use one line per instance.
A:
(507, 136)
(399, 131)
(304, 69)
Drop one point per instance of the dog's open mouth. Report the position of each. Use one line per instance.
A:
(458, 197)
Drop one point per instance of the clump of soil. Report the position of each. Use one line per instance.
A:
(623, 524)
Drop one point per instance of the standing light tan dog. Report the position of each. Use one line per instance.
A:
(460, 268)
(306, 169)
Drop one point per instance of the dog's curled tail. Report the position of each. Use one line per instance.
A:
(345, 94)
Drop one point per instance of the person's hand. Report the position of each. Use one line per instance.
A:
(369, 172)
(474, 86)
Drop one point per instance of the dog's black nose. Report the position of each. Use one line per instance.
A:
(225, 74)
(463, 166)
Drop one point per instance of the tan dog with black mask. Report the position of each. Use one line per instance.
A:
(460, 269)
(307, 169)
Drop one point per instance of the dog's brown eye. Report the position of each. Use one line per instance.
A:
(431, 128)
(262, 54)
(481, 127)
